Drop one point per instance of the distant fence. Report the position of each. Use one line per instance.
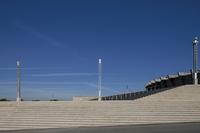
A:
(157, 85)
(132, 95)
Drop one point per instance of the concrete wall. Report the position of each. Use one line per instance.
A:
(82, 98)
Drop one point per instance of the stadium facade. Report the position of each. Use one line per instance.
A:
(174, 80)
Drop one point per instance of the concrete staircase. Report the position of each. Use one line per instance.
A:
(181, 104)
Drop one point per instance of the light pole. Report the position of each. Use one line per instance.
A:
(195, 60)
(18, 83)
(99, 79)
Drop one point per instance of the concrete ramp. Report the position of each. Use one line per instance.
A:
(181, 104)
(182, 93)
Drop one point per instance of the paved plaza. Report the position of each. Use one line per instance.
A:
(159, 128)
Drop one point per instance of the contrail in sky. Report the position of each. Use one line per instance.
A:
(103, 87)
(33, 68)
(63, 74)
(43, 83)
(32, 31)
(50, 41)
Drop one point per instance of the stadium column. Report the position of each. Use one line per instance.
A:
(99, 79)
(18, 83)
(195, 60)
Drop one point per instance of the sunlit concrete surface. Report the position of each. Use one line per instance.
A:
(181, 104)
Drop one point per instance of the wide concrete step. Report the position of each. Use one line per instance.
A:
(108, 117)
(150, 119)
(150, 105)
(19, 127)
(32, 126)
(181, 104)
(105, 114)
(83, 123)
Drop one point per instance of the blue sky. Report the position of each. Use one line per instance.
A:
(58, 43)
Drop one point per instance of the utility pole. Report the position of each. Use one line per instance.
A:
(99, 79)
(195, 60)
(18, 83)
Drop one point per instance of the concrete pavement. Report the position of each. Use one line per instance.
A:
(159, 128)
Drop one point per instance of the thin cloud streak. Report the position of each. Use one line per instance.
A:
(7, 68)
(43, 83)
(50, 41)
(63, 74)
(32, 31)
(8, 82)
(32, 68)
(103, 87)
